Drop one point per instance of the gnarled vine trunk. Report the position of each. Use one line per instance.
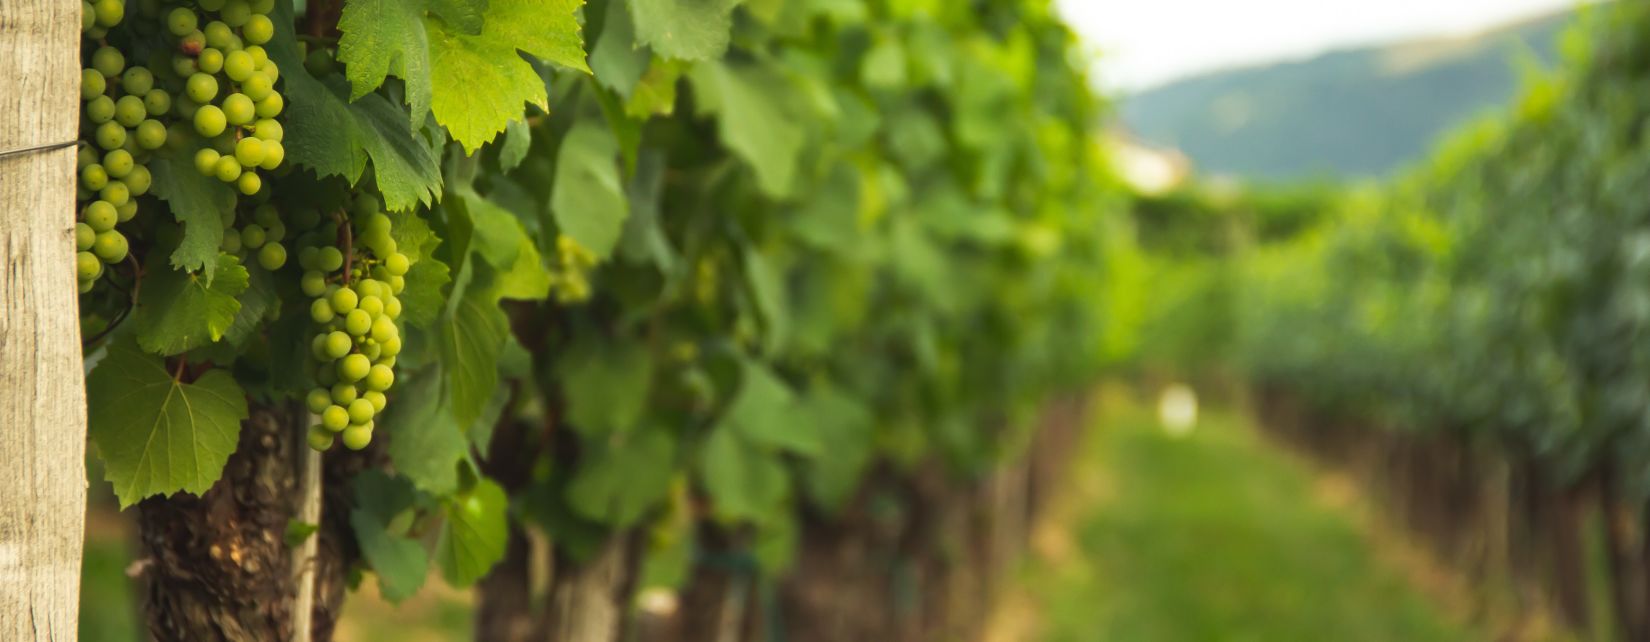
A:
(42, 396)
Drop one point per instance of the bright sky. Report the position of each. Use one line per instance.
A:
(1143, 43)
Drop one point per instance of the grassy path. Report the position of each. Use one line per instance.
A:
(1212, 536)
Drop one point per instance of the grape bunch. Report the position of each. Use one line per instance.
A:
(259, 238)
(229, 94)
(570, 276)
(354, 282)
(118, 132)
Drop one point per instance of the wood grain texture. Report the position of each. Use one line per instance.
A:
(42, 394)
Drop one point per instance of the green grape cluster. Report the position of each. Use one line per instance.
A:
(353, 275)
(118, 131)
(570, 276)
(229, 96)
(257, 236)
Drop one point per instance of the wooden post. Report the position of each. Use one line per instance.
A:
(42, 394)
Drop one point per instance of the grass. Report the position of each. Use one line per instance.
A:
(1211, 536)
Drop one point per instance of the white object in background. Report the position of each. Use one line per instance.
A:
(1177, 409)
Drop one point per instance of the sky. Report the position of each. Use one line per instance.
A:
(1144, 43)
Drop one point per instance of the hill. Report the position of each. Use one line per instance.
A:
(1353, 112)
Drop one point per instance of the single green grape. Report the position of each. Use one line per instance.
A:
(260, 57)
(317, 400)
(263, 7)
(209, 121)
(206, 161)
(127, 211)
(201, 88)
(369, 288)
(252, 236)
(266, 128)
(383, 329)
(313, 283)
(100, 110)
(239, 65)
(84, 235)
(111, 135)
(86, 266)
(138, 182)
(94, 177)
(320, 438)
(211, 5)
(210, 60)
(344, 393)
(88, 16)
(92, 84)
(110, 246)
(335, 418)
(84, 156)
(372, 305)
(230, 244)
(227, 170)
(137, 80)
(379, 377)
(321, 312)
(370, 348)
(338, 344)
(118, 163)
(353, 368)
(100, 216)
(397, 264)
(275, 230)
(218, 34)
(249, 151)
(109, 12)
(151, 135)
(377, 399)
(157, 102)
(236, 12)
(129, 111)
(184, 66)
(116, 193)
(357, 323)
(331, 259)
(238, 109)
(270, 106)
(108, 61)
(392, 307)
(274, 153)
(360, 411)
(358, 437)
(272, 257)
(181, 21)
(258, 87)
(344, 300)
(249, 183)
(258, 29)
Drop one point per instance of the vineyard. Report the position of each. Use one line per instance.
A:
(762, 320)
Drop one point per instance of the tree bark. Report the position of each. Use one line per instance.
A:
(42, 395)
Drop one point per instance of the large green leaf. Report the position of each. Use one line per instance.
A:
(589, 200)
(754, 118)
(425, 443)
(328, 133)
(158, 435)
(474, 535)
(744, 482)
(618, 481)
(472, 338)
(764, 413)
(383, 37)
(400, 562)
(606, 385)
(617, 60)
(844, 426)
(481, 82)
(199, 203)
(179, 311)
(684, 29)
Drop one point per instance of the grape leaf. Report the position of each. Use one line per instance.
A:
(744, 482)
(199, 203)
(413, 236)
(844, 427)
(382, 37)
(606, 385)
(481, 82)
(764, 413)
(518, 138)
(422, 300)
(750, 103)
(256, 303)
(335, 137)
(157, 435)
(684, 29)
(617, 61)
(182, 310)
(473, 537)
(618, 482)
(471, 338)
(526, 279)
(767, 288)
(588, 201)
(656, 93)
(425, 444)
(400, 563)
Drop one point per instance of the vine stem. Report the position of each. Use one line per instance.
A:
(309, 512)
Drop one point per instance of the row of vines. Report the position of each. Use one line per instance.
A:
(1468, 338)
(623, 292)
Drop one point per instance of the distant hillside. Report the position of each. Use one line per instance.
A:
(1357, 112)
